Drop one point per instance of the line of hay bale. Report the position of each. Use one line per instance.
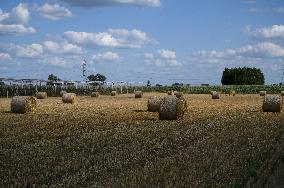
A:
(172, 108)
(113, 93)
(178, 94)
(95, 94)
(262, 93)
(154, 103)
(282, 93)
(138, 94)
(232, 93)
(62, 93)
(69, 98)
(272, 103)
(216, 95)
(23, 104)
(41, 95)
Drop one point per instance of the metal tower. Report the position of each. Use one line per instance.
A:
(283, 74)
(84, 69)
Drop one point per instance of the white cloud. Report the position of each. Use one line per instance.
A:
(273, 32)
(279, 10)
(28, 51)
(62, 48)
(148, 55)
(53, 12)
(15, 30)
(4, 56)
(245, 54)
(167, 54)
(18, 15)
(13, 23)
(267, 9)
(260, 50)
(162, 58)
(56, 61)
(107, 56)
(113, 38)
(100, 3)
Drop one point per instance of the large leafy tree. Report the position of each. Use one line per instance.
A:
(53, 78)
(97, 77)
(242, 76)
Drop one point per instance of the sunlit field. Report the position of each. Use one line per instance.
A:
(114, 141)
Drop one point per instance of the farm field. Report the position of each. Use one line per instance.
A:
(114, 142)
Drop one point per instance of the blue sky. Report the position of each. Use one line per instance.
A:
(163, 41)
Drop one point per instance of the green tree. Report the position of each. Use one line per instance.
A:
(53, 78)
(242, 76)
(148, 83)
(97, 77)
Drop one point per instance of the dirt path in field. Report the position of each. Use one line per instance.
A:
(271, 174)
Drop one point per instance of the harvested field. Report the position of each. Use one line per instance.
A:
(114, 141)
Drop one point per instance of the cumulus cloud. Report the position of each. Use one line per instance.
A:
(56, 61)
(167, 54)
(273, 32)
(101, 3)
(15, 30)
(148, 55)
(267, 9)
(113, 38)
(28, 51)
(162, 58)
(53, 12)
(62, 48)
(247, 53)
(4, 56)
(106, 57)
(13, 23)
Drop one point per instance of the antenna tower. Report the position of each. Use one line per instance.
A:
(84, 69)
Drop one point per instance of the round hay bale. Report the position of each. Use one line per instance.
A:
(41, 95)
(23, 104)
(232, 93)
(172, 108)
(170, 92)
(138, 94)
(262, 93)
(69, 98)
(113, 93)
(216, 95)
(282, 93)
(62, 93)
(178, 94)
(153, 104)
(272, 103)
(95, 94)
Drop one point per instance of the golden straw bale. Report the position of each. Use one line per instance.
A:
(262, 93)
(154, 103)
(41, 95)
(95, 94)
(178, 94)
(170, 92)
(272, 103)
(69, 98)
(113, 93)
(62, 93)
(23, 104)
(232, 93)
(172, 108)
(216, 95)
(138, 94)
